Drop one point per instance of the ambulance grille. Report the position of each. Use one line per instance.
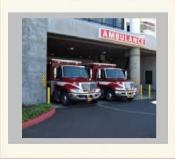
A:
(89, 86)
(128, 85)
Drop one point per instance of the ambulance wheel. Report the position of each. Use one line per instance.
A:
(65, 98)
(109, 95)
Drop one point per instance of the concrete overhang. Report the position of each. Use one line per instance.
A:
(86, 30)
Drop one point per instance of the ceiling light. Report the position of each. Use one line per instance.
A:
(71, 48)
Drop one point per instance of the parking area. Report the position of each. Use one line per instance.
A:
(117, 119)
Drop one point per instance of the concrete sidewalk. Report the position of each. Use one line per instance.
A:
(145, 96)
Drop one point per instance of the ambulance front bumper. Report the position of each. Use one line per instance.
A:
(125, 93)
(85, 96)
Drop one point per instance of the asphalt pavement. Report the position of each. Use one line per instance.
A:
(116, 119)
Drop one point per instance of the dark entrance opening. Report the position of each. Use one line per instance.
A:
(148, 77)
(74, 48)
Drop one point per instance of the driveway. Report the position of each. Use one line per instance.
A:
(117, 119)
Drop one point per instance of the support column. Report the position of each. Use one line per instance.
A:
(135, 25)
(134, 65)
(34, 60)
(134, 60)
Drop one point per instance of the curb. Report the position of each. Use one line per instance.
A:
(38, 119)
(144, 98)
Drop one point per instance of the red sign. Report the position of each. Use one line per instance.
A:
(121, 37)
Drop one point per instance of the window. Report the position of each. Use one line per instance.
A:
(114, 73)
(59, 73)
(102, 74)
(75, 72)
(88, 69)
(119, 23)
(148, 77)
(111, 22)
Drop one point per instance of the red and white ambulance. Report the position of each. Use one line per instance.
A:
(112, 81)
(70, 81)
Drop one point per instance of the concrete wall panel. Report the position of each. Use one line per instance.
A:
(34, 56)
(148, 63)
(87, 30)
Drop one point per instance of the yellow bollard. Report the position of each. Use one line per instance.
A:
(48, 95)
(141, 90)
(149, 90)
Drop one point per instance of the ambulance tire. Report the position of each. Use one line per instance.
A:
(65, 98)
(109, 95)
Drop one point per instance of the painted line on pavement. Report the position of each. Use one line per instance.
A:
(127, 111)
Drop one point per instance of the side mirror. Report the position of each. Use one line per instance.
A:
(90, 71)
(126, 74)
(99, 74)
(55, 73)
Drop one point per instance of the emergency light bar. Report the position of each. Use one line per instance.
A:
(103, 64)
(62, 61)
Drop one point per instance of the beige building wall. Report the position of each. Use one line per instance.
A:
(148, 62)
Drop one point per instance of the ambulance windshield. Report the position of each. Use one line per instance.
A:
(114, 73)
(75, 72)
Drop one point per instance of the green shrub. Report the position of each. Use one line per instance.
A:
(29, 112)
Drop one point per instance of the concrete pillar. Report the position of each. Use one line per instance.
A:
(135, 25)
(134, 65)
(134, 60)
(34, 58)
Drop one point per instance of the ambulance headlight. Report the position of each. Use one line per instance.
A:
(118, 88)
(97, 90)
(133, 86)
